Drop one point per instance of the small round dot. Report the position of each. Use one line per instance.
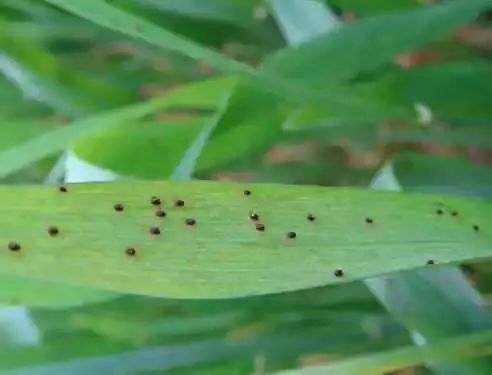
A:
(14, 246)
(439, 211)
(247, 192)
(369, 220)
(338, 272)
(260, 227)
(430, 262)
(179, 203)
(254, 216)
(118, 207)
(160, 213)
(130, 251)
(155, 201)
(476, 228)
(190, 221)
(454, 213)
(291, 235)
(311, 217)
(53, 231)
(62, 189)
(154, 230)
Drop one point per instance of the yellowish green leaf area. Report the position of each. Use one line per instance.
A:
(221, 252)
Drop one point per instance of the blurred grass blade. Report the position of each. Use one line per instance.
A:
(223, 254)
(109, 16)
(373, 42)
(184, 170)
(473, 345)
(36, 148)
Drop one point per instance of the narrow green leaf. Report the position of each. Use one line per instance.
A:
(373, 42)
(474, 345)
(223, 254)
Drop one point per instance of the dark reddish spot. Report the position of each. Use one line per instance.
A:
(291, 235)
(455, 213)
(260, 227)
(190, 221)
(130, 251)
(154, 231)
(155, 201)
(14, 246)
(476, 228)
(369, 220)
(247, 192)
(311, 217)
(254, 216)
(338, 272)
(439, 211)
(430, 262)
(179, 203)
(160, 213)
(118, 207)
(53, 231)
(62, 189)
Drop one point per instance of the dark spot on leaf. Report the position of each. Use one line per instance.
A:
(254, 216)
(455, 213)
(154, 230)
(155, 201)
(62, 189)
(338, 272)
(247, 192)
(14, 246)
(190, 221)
(369, 220)
(311, 217)
(53, 231)
(439, 211)
(291, 235)
(430, 262)
(118, 207)
(130, 251)
(160, 213)
(476, 228)
(260, 227)
(179, 203)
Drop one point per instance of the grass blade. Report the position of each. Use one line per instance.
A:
(365, 233)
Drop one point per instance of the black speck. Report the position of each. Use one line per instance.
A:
(247, 192)
(430, 262)
(254, 216)
(155, 201)
(311, 217)
(160, 213)
(62, 189)
(14, 246)
(130, 251)
(53, 231)
(291, 235)
(260, 227)
(179, 203)
(439, 211)
(455, 213)
(476, 228)
(338, 272)
(369, 220)
(154, 230)
(190, 221)
(118, 207)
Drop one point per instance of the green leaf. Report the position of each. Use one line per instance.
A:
(373, 42)
(223, 255)
(478, 344)
(48, 143)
